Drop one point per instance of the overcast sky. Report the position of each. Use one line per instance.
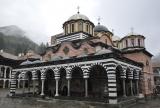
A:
(43, 18)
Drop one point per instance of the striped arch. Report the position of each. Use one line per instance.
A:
(136, 74)
(34, 74)
(23, 74)
(74, 67)
(27, 73)
(87, 69)
(112, 86)
(119, 71)
(62, 72)
(56, 72)
(68, 72)
(129, 73)
(44, 72)
(16, 75)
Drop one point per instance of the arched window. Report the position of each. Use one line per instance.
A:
(80, 26)
(72, 28)
(139, 42)
(87, 27)
(132, 42)
(66, 30)
(126, 43)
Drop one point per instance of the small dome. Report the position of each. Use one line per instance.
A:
(27, 62)
(103, 51)
(37, 61)
(115, 38)
(78, 16)
(132, 33)
(100, 28)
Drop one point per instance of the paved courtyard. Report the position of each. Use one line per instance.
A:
(154, 103)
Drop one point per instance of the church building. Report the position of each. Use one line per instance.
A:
(88, 61)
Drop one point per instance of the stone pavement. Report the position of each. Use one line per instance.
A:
(154, 103)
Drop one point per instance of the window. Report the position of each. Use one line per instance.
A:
(66, 29)
(87, 28)
(132, 42)
(66, 50)
(126, 43)
(85, 51)
(80, 26)
(139, 42)
(72, 27)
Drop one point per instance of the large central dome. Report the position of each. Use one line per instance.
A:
(78, 23)
(78, 16)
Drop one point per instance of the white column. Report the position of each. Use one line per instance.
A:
(124, 87)
(23, 86)
(5, 69)
(0, 70)
(86, 87)
(18, 83)
(4, 83)
(42, 89)
(68, 84)
(57, 87)
(8, 83)
(10, 73)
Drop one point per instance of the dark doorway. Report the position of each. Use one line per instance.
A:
(98, 82)
(119, 82)
(77, 82)
(62, 82)
(49, 84)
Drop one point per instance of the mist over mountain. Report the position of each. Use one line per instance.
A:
(156, 60)
(12, 30)
(14, 40)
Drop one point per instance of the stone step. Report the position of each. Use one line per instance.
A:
(127, 103)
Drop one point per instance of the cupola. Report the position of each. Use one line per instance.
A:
(78, 23)
(133, 40)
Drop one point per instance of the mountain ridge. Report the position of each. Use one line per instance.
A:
(14, 40)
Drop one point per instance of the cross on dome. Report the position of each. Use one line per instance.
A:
(78, 9)
(132, 30)
(99, 18)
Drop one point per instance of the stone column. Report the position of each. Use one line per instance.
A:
(131, 84)
(57, 80)
(23, 86)
(4, 83)
(18, 83)
(10, 73)
(86, 87)
(137, 88)
(8, 83)
(124, 87)
(4, 80)
(68, 84)
(5, 69)
(42, 89)
(0, 71)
